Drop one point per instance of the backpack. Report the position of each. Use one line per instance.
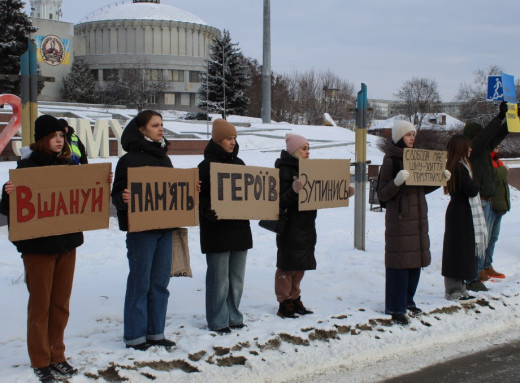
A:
(397, 165)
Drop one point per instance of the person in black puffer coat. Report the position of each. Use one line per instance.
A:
(149, 252)
(49, 263)
(225, 242)
(296, 243)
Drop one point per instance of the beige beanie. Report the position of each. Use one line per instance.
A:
(400, 128)
(222, 129)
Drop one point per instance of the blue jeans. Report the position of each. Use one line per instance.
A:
(224, 286)
(146, 300)
(400, 288)
(493, 221)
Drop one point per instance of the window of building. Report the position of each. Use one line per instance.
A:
(94, 73)
(185, 99)
(175, 75)
(194, 76)
(152, 99)
(169, 98)
(153, 74)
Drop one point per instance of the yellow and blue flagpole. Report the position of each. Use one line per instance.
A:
(361, 169)
(29, 87)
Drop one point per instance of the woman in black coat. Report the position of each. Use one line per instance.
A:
(149, 252)
(49, 264)
(459, 261)
(225, 242)
(297, 242)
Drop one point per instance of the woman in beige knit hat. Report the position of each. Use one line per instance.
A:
(225, 242)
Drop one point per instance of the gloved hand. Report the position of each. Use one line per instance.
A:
(401, 177)
(518, 109)
(210, 214)
(502, 110)
(297, 185)
(447, 174)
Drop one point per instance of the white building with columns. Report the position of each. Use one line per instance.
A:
(166, 42)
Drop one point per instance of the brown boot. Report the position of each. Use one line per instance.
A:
(491, 273)
(483, 276)
(286, 309)
(299, 308)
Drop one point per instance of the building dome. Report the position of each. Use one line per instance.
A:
(124, 10)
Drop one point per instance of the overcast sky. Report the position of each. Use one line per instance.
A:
(381, 43)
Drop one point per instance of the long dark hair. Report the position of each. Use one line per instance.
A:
(458, 151)
(145, 116)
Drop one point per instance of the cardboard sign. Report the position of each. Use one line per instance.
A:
(244, 192)
(53, 200)
(513, 121)
(426, 167)
(162, 198)
(325, 184)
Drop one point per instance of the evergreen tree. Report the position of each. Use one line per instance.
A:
(79, 85)
(226, 78)
(15, 30)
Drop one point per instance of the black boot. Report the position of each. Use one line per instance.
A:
(299, 308)
(286, 309)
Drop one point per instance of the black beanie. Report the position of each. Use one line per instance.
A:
(46, 124)
(471, 129)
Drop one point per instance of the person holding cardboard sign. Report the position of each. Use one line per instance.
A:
(225, 242)
(49, 264)
(149, 252)
(296, 243)
(407, 243)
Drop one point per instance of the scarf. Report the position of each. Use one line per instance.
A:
(162, 142)
(479, 222)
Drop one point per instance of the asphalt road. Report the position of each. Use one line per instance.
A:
(497, 364)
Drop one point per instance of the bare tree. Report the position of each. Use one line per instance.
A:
(418, 97)
(137, 87)
(476, 108)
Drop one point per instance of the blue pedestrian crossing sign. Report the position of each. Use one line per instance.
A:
(501, 88)
(495, 88)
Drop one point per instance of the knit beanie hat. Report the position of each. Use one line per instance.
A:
(222, 129)
(294, 142)
(46, 124)
(400, 128)
(471, 129)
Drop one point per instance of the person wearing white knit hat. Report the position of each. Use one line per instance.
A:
(407, 243)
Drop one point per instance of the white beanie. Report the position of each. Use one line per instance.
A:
(294, 142)
(400, 128)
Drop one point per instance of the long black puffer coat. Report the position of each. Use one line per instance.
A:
(296, 244)
(458, 252)
(141, 152)
(54, 244)
(224, 234)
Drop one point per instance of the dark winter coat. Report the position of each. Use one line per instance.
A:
(54, 244)
(296, 244)
(501, 201)
(407, 243)
(140, 152)
(217, 236)
(458, 252)
(483, 144)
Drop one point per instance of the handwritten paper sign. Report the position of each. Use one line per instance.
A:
(513, 121)
(162, 198)
(244, 192)
(54, 200)
(325, 184)
(426, 167)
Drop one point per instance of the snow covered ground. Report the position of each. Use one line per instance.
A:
(348, 334)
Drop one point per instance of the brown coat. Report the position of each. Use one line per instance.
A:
(407, 244)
